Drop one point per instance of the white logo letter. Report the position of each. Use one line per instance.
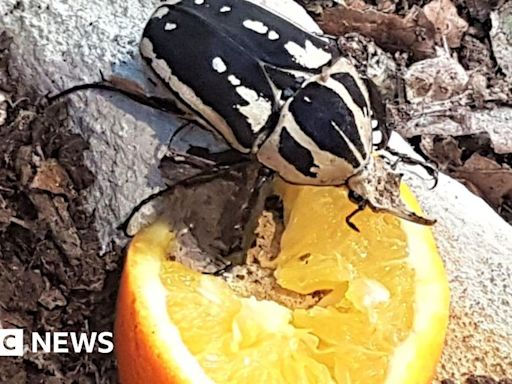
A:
(105, 339)
(11, 342)
(83, 340)
(60, 342)
(38, 342)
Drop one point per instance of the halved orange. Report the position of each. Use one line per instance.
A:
(382, 317)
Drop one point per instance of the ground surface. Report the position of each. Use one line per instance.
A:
(54, 271)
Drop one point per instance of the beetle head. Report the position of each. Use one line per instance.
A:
(378, 185)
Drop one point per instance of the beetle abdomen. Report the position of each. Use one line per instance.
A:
(217, 57)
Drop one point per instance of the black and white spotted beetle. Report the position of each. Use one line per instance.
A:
(275, 91)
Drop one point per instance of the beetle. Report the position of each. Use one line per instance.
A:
(277, 93)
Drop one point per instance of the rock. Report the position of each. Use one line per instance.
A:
(476, 246)
(3, 108)
(67, 43)
(501, 38)
(435, 79)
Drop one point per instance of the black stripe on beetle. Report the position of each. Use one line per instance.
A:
(288, 82)
(296, 154)
(353, 89)
(324, 117)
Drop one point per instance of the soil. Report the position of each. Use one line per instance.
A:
(53, 275)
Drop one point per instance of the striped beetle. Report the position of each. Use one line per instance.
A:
(276, 91)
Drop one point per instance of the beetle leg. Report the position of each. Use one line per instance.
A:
(361, 205)
(202, 177)
(251, 211)
(227, 157)
(176, 165)
(406, 159)
(177, 131)
(349, 218)
(186, 158)
(378, 113)
(219, 272)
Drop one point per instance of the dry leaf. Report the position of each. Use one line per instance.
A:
(413, 33)
(444, 151)
(443, 14)
(492, 181)
(53, 178)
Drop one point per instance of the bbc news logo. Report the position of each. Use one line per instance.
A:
(12, 344)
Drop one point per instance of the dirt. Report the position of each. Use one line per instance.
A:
(479, 380)
(53, 275)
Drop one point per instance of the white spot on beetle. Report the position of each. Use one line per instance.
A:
(308, 56)
(170, 26)
(307, 99)
(273, 35)
(198, 2)
(258, 109)
(256, 26)
(219, 65)
(235, 81)
(160, 12)
(375, 123)
(377, 137)
(225, 9)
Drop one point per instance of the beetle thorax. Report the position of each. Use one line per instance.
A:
(323, 136)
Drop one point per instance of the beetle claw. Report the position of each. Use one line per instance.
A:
(350, 223)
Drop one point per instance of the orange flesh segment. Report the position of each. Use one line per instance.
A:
(358, 329)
